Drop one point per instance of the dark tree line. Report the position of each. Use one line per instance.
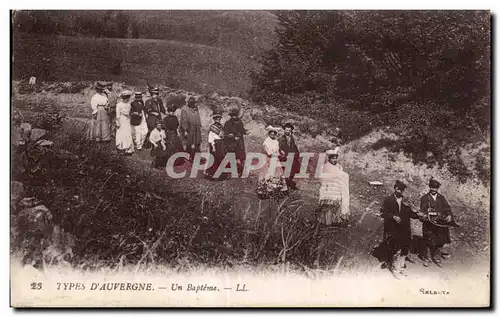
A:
(109, 23)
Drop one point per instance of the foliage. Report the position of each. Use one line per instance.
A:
(423, 73)
(50, 119)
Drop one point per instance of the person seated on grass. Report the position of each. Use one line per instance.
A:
(159, 151)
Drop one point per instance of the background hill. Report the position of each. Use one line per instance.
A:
(198, 50)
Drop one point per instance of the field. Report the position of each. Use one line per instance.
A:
(195, 67)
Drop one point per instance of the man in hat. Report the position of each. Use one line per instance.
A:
(288, 146)
(434, 205)
(233, 137)
(190, 126)
(113, 100)
(138, 120)
(154, 108)
(397, 229)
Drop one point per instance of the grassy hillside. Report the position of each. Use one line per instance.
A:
(204, 51)
(246, 32)
(192, 66)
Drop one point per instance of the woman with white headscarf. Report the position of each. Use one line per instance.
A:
(124, 140)
(334, 192)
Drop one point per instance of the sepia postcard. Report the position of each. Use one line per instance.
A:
(265, 158)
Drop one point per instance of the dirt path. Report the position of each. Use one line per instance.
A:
(365, 231)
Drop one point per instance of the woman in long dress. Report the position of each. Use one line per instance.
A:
(334, 192)
(172, 139)
(271, 181)
(100, 125)
(124, 140)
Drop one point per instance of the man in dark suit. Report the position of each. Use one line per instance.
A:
(138, 120)
(154, 108)
(287, 145)
(435, 206)
(397, 230)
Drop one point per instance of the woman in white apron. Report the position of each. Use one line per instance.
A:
(334, 192)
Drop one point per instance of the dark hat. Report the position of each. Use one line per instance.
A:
(434, 183)
(288, 125)
(138, 94)
(217, 113)
(100, 85)
(171, 108)
(399, 185)
(176, 101)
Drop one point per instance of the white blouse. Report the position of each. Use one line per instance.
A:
(98, 100)
(212, 137)
(335, 185)
(157, 136)
(271, 146)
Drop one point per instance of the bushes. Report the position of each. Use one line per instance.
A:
(365, 70)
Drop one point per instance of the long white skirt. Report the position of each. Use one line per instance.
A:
(124, 135)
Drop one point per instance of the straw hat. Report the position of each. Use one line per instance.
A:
(125, 93)
(270, 129)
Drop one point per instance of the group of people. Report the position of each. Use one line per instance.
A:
(436, 217)
(148, 124)
(137, 123)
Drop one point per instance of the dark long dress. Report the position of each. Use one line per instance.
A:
(287, 145)
(173, 141)
(233, 138)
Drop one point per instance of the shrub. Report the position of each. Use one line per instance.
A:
(50, 119)
(482, 167)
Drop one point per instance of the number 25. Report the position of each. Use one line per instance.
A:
(36, 286)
